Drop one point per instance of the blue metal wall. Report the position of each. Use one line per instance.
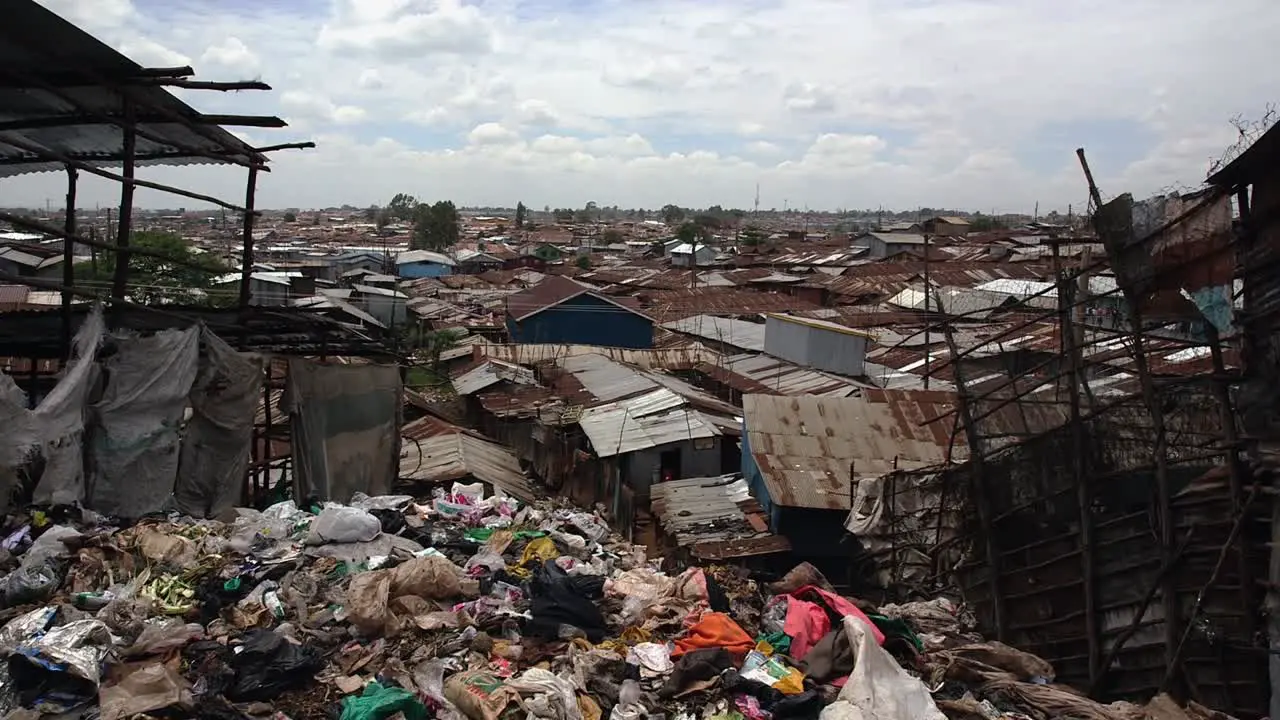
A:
(423, 269)
(755, 481)
(585, 320)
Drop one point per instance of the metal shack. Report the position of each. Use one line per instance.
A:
(816, 344)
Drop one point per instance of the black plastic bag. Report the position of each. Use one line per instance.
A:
(267, 664)
(559, 599)
(392, 521)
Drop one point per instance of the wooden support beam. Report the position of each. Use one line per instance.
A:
(68, 262)
(120, 274)
(286, 146)
(55, 121)
(130, 160)
(166, 72)
(153, 137)
(204, 84)
(246, 260)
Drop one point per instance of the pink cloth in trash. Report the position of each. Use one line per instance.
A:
(806, 621)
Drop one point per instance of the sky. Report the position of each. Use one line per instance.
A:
(827, 104)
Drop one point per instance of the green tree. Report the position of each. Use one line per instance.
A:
(403, 206)
(435, 227)
(183, 276)
(291, 217)
(612, 236)
(584, 262)
(693, 233)
(985, 223)
(521, 212)
(752, 236)
(563, 215)
(672, 214)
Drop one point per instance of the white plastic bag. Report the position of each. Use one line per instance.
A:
(878, 688)
(343, 525)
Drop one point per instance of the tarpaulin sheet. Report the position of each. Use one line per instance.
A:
(345, 428)
(134, 437)
(216, 447)
(56, 426)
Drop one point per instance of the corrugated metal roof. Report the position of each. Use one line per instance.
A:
(445, 453)
(709, 513)
(804, 446)
(491, 372)
(785, 378)
(642, 422)
(38, 43)
(605, 379)
(553, 290)
(417, 256)
(729, 331)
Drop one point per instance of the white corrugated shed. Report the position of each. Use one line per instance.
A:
(646, 421)
(740, 334)
(490, 373)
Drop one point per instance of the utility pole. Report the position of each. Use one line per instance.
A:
(928, 290)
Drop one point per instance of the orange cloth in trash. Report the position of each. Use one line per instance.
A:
(716, 630)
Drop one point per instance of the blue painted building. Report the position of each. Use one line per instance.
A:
(424, 263)
(559, 310)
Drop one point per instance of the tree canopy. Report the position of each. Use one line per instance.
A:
(154, 280)
(521, 213)
(672, 214)
(435, 227)
(402, 206)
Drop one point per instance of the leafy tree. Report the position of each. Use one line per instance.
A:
(546, 208)
(435, 227)
(752, 235)
(563, 215)
(584, 262)
(612, 236)
(402, 206)
(693, 233)
(291, 217)
(985, 223)
(155, 280)
(708, 220)
(672, 214)
(521, 212)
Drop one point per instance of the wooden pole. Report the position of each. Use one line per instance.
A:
(130, 159)
(246, 237)
(120, 274)
(1164, 494)
(68, 259)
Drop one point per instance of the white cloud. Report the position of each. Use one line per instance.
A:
(492, 134)
(150, 53)
(807, 97)
(395, 29)
(371, 79)
(852, 103)
(231, 55)
(311, 106)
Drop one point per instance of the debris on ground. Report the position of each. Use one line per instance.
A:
(470, 606)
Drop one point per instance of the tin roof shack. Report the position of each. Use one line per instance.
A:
(712, 520)
(560, 310)
(387, 305)
(884, 244)
(423, 263)
(817, 344)
(800, 456)
(437, 452)
(947, 226)
(687, 255)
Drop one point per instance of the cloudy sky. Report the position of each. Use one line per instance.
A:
(971, 104)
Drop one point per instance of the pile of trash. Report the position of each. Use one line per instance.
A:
(469, 606)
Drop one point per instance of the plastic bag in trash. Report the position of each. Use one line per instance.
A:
(380, 502)
(60, 668)
(553, 696)
(51, 545)
(266, 664)
(160, 635)
(155, 687)
(338, 524)
(378, 703)
(32, 582)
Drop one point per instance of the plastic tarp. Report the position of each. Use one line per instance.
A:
(56, 426)
(878, 688)
(345, 428)
(134, 440)
(20, 434)
(216, 447)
